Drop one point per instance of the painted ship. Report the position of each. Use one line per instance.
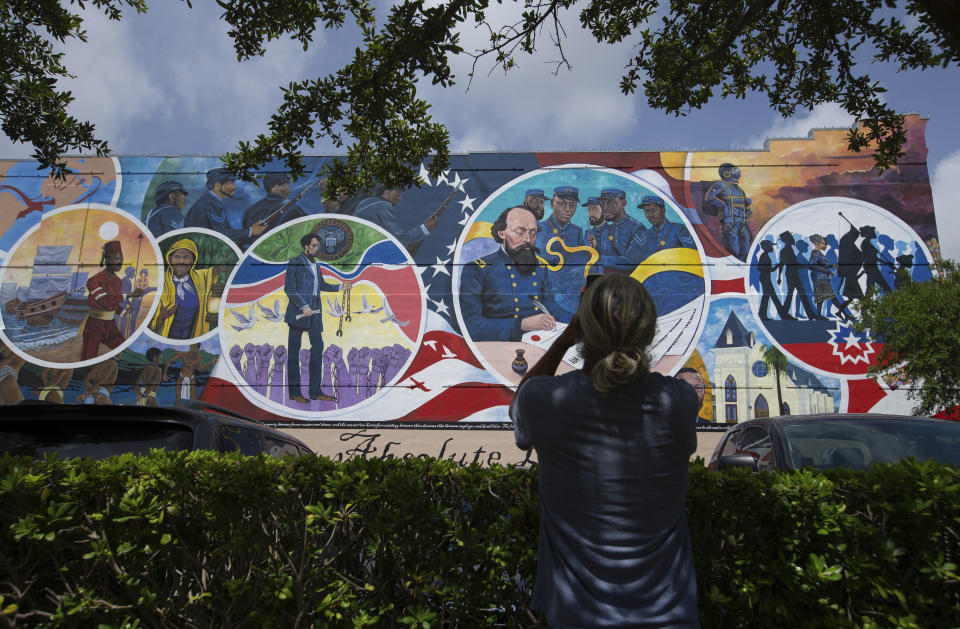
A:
(49, 286)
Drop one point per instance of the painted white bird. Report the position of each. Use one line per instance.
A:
(246, 322)
(335, 309)
(271, 315)
(390, 316)
(366, 307)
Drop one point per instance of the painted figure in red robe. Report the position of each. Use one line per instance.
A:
(104, 296)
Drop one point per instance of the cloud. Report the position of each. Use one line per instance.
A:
(826, 115)
(947, 209)
(168, 81)
(532, 108)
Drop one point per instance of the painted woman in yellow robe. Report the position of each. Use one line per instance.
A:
(186, 294)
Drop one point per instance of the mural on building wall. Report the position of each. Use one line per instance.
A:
(156, 280)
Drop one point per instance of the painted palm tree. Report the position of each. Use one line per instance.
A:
(778, 362)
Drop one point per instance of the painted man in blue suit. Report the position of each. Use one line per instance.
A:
(303, 284)
(209, 212)
(662, 234)
(614, 237)
(508, 292)
(171, 197)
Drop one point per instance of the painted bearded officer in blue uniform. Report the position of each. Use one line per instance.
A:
(727, 200)
(499, 293)
(614, 237)
(662, 234)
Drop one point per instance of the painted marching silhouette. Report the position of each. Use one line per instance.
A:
(788, 262)
(803, 268)
(768, 291)
(850, 262)
(904, 273)
(855, 262)
(871, 258)
(821, 270)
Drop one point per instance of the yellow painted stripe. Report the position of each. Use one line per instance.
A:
(677, 259)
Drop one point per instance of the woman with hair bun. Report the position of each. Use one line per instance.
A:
(613, 444)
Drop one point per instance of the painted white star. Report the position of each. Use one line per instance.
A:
(424, 174)
(466, 203)
(463, 221)
(442, 307)
(440, 267)
(457, 183)
(853, 340)
(452, 248)
(443, 178)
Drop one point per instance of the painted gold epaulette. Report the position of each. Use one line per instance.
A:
(480, 262)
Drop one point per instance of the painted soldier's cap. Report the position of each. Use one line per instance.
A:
(868, 231)
(817, 239)
(567, 192)
(219, 175)
(591, 201)
(536, 192)
(766, 245)
(274, 179)
(651, 200)
(905, 260)
(613, 193)
(165, 188)
(112, 248)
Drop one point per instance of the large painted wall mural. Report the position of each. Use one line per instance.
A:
(157, 280)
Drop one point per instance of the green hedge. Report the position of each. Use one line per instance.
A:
(205, 540)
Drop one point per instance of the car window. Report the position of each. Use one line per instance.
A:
(95, 439)
(858, 443)
(730, 445)
(756, 442)
(239, 439)
(279, 447)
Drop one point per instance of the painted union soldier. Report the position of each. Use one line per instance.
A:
(727, 201)
(662, 234)
(209, 211)
(533, 200)
(171, 197)
(564, 205)
(277, 186)
(104, 296)
(614, 236)
(500, 293)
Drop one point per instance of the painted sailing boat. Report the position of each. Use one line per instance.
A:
(49, 286)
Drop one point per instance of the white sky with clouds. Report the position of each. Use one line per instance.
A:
(168, 82)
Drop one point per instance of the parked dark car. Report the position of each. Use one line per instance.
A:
(835, 440)
(82, 430)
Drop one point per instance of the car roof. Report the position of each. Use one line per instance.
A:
(34, 410)
(191, 415)
(781, 420)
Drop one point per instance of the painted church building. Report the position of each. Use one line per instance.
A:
(745, 386)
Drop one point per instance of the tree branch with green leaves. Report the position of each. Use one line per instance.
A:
(797, 53)
(918, 329)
